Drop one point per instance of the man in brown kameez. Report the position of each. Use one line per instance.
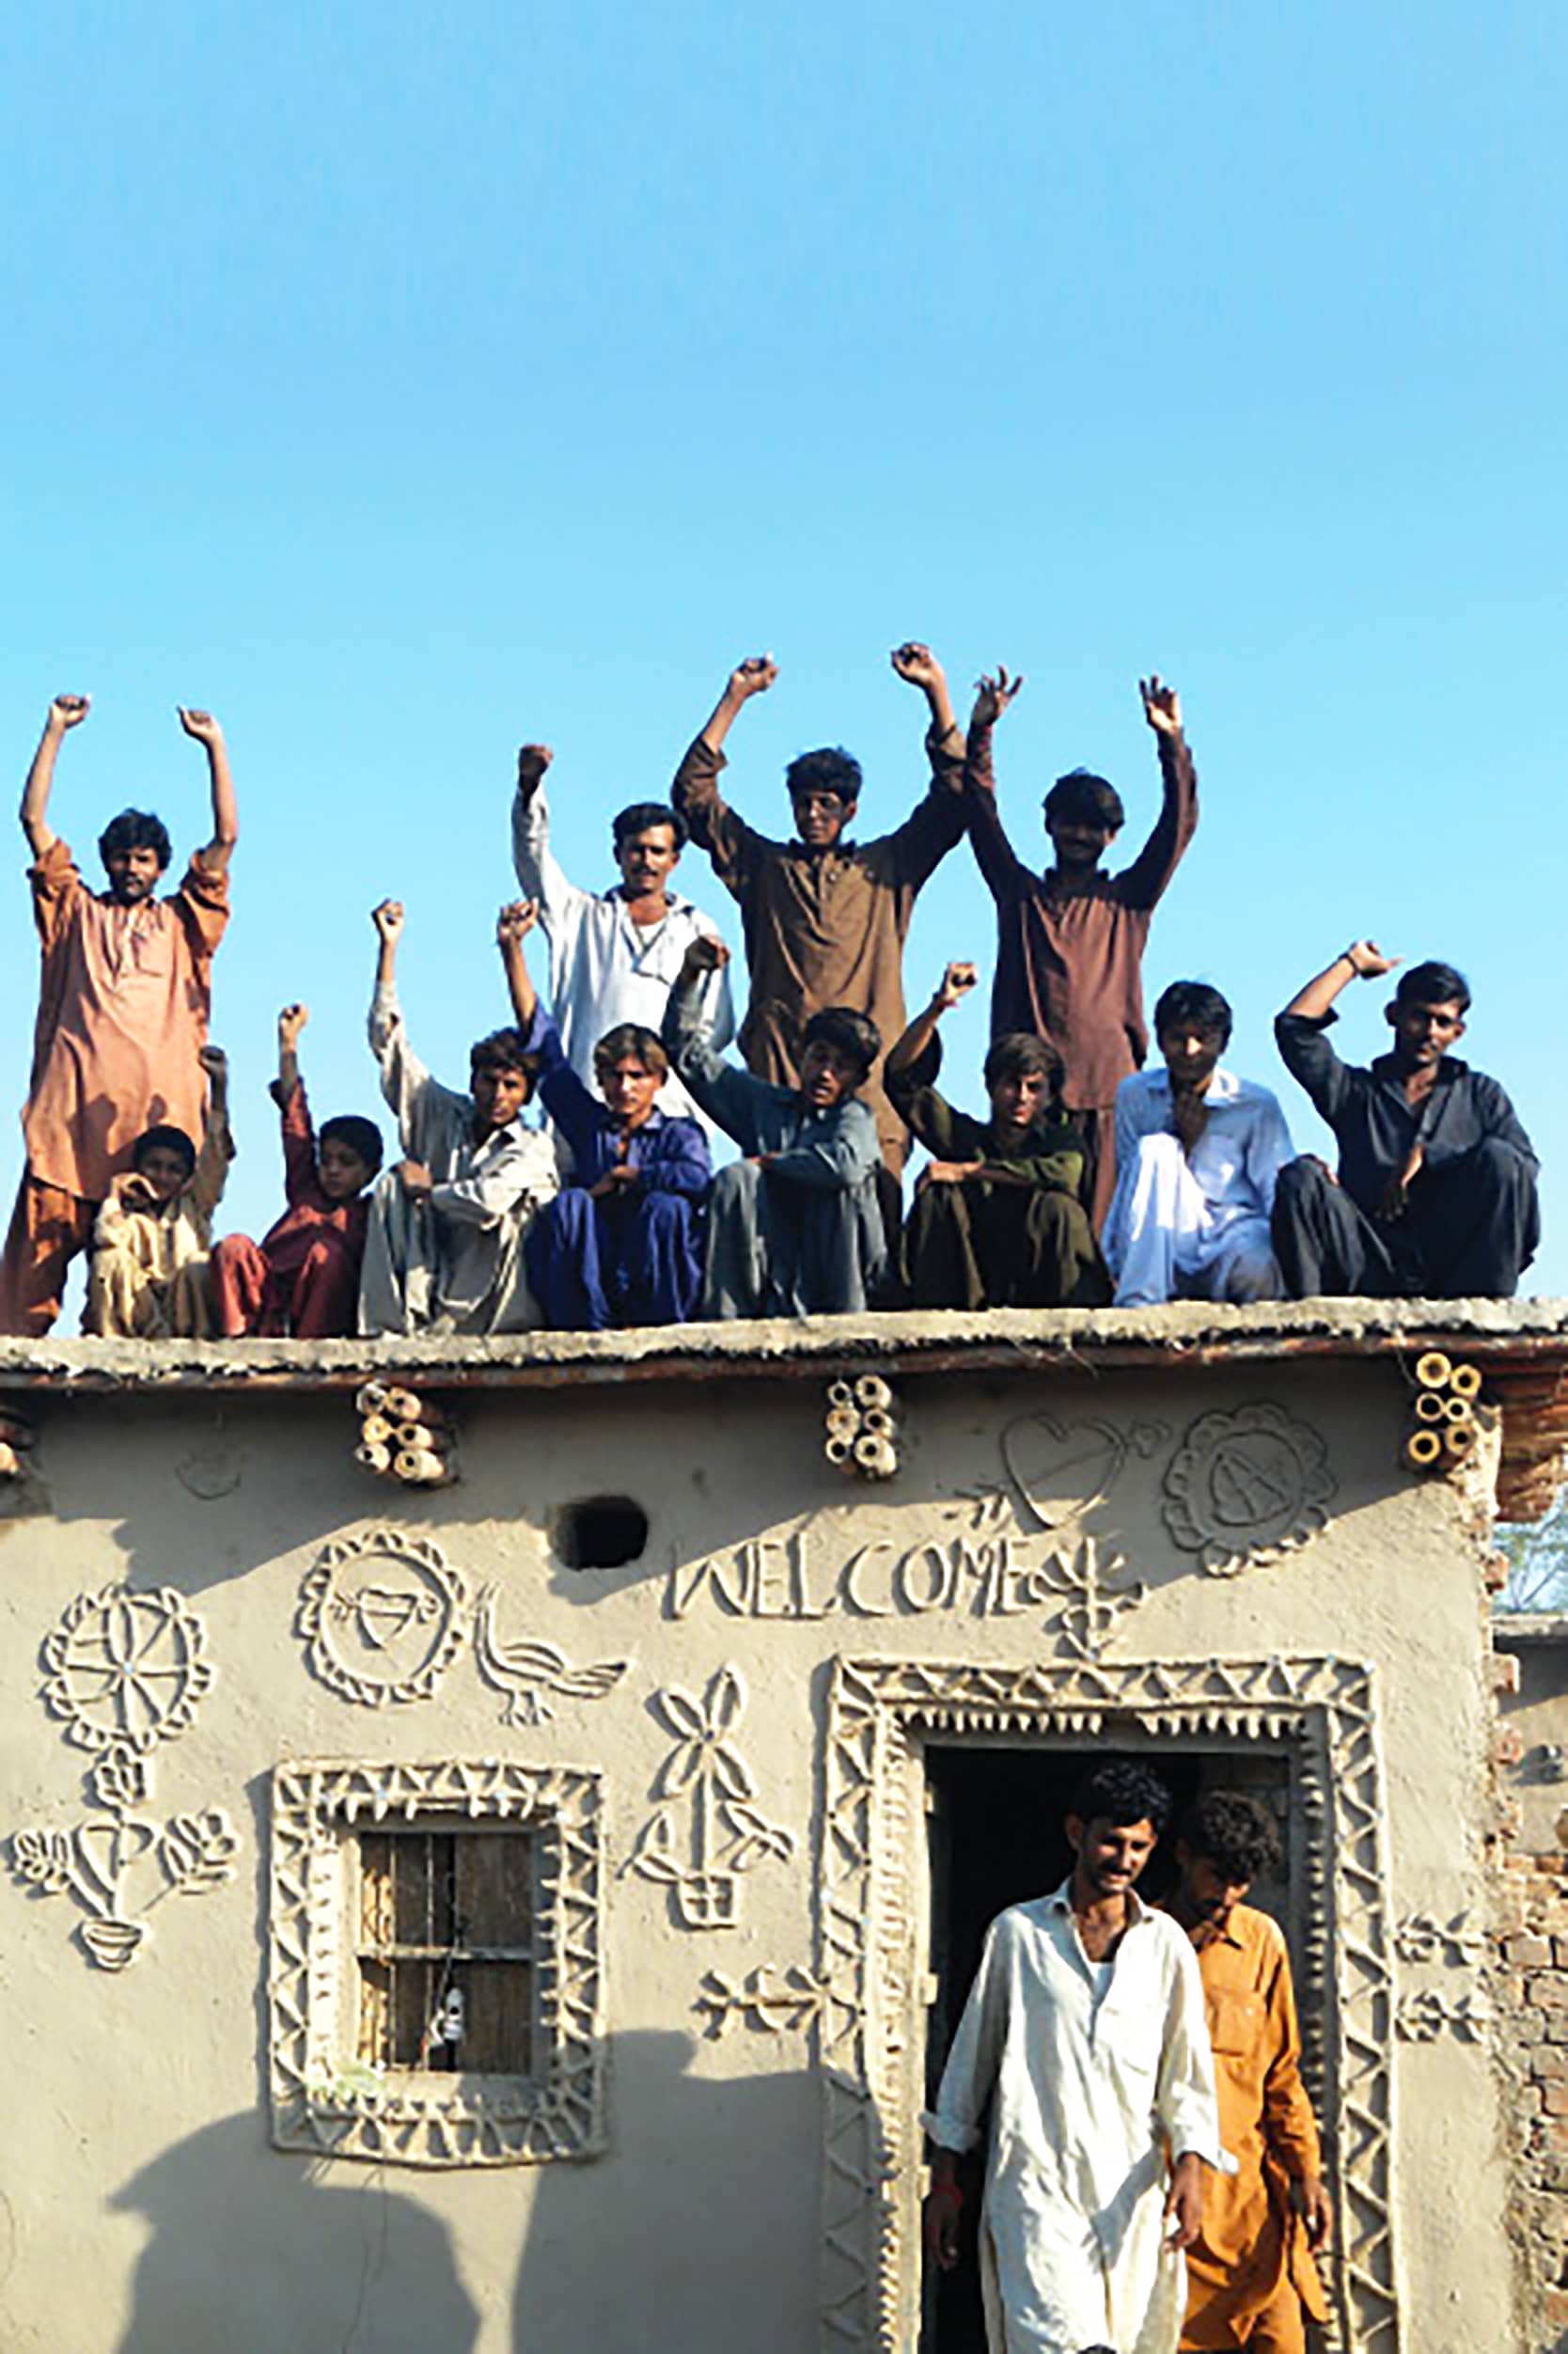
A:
(122, 1014)
(1252, 2277)
(997, 1221)
(824, 919)
(1070, 942)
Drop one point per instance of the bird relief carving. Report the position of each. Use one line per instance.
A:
(526, 1670)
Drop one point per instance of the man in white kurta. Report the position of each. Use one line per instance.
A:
(615, 954)
(1197, 1154)
(1101, 2083)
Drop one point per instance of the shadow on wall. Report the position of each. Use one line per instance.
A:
(698, 2230)
(251, 2253)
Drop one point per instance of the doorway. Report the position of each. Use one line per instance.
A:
(993, 1816)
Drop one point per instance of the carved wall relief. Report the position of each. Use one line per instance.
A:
(1246, 1487)
(324, 2102)
(382, 1614)
(871, 2033)
(772, 2000)
(1426, 2012)
(705, 1832)
(525, 1670)
(126, 1671)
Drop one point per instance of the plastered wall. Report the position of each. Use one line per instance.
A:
(1217, 1560)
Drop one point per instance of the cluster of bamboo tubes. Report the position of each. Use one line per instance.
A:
(403, 1437)
(862, 1428)
(1445, 1417)
(16, 1437)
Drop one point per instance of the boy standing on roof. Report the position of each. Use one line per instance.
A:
(123, 1015)
(824, 918)
(1070, 942)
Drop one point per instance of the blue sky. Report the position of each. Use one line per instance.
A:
(406, 383)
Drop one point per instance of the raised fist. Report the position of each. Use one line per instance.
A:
(200, 724)
(754, 676)
(388, 920)
(289, 1023)
(69, 711)
(515, 922)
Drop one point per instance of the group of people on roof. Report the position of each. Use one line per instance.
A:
(573, 1183)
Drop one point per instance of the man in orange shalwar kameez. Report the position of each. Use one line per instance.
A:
(1251, 2279)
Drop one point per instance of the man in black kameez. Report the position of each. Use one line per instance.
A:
(1436, 1194)
(999, 1219)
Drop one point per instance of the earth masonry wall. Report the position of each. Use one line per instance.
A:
(1230, 1560)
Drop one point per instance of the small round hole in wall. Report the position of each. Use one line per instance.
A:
(601, 1532)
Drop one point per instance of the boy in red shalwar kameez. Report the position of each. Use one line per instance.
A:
(304, 1278)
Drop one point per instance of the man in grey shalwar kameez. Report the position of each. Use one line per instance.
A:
(794, 1227)
(444, 1247)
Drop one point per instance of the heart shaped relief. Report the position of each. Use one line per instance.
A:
(1061, 1469)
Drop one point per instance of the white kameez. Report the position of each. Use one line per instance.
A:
(604, 969)
(1088, 2092)
(1198, 1227)
(450, 1260)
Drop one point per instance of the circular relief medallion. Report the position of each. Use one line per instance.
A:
(383, 1616)
(1245, 1485)
(126, 1668)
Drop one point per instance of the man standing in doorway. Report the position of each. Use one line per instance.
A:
(1084, 2031)
(1250, 2275)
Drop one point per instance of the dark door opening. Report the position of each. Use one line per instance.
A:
(995, 1839)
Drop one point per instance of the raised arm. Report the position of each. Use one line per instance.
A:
(754, 676)
(1362, 961)
(1145, 881)
(955, 984)
(513, 927)
(287, 1093)
(216, 854)
(217, 1143)
(934, 825)
(712, 823)
(717, 1087)
(540, 874)
(65, 713)
(1003, 870)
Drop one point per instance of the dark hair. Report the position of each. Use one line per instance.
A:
(1195, 1005)
(1020, 1054)
(1235, 1834)
(642, 815)
(1082, 797)
(1433, 984)
(135, 829)
(855, 1036)
(630, 1037)
(831, 770)
(1121, 1793)
(165, 1139)
(503, 1050)
(358, 1134)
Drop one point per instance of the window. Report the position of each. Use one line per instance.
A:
(434, 1986)
(444, 1950)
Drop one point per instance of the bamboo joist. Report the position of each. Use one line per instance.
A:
(403, 1437)
(862, 1428)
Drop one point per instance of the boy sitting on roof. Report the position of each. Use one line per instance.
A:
(304, 1276)
(793, 1229)
(1198, 1153)
(997, 1220)
(621, 1243)
(153, 1232)
(444, 1251)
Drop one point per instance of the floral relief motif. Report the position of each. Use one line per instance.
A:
(705, 1778)
(1246, 1487)
(126, 1671)
(126, 1668)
